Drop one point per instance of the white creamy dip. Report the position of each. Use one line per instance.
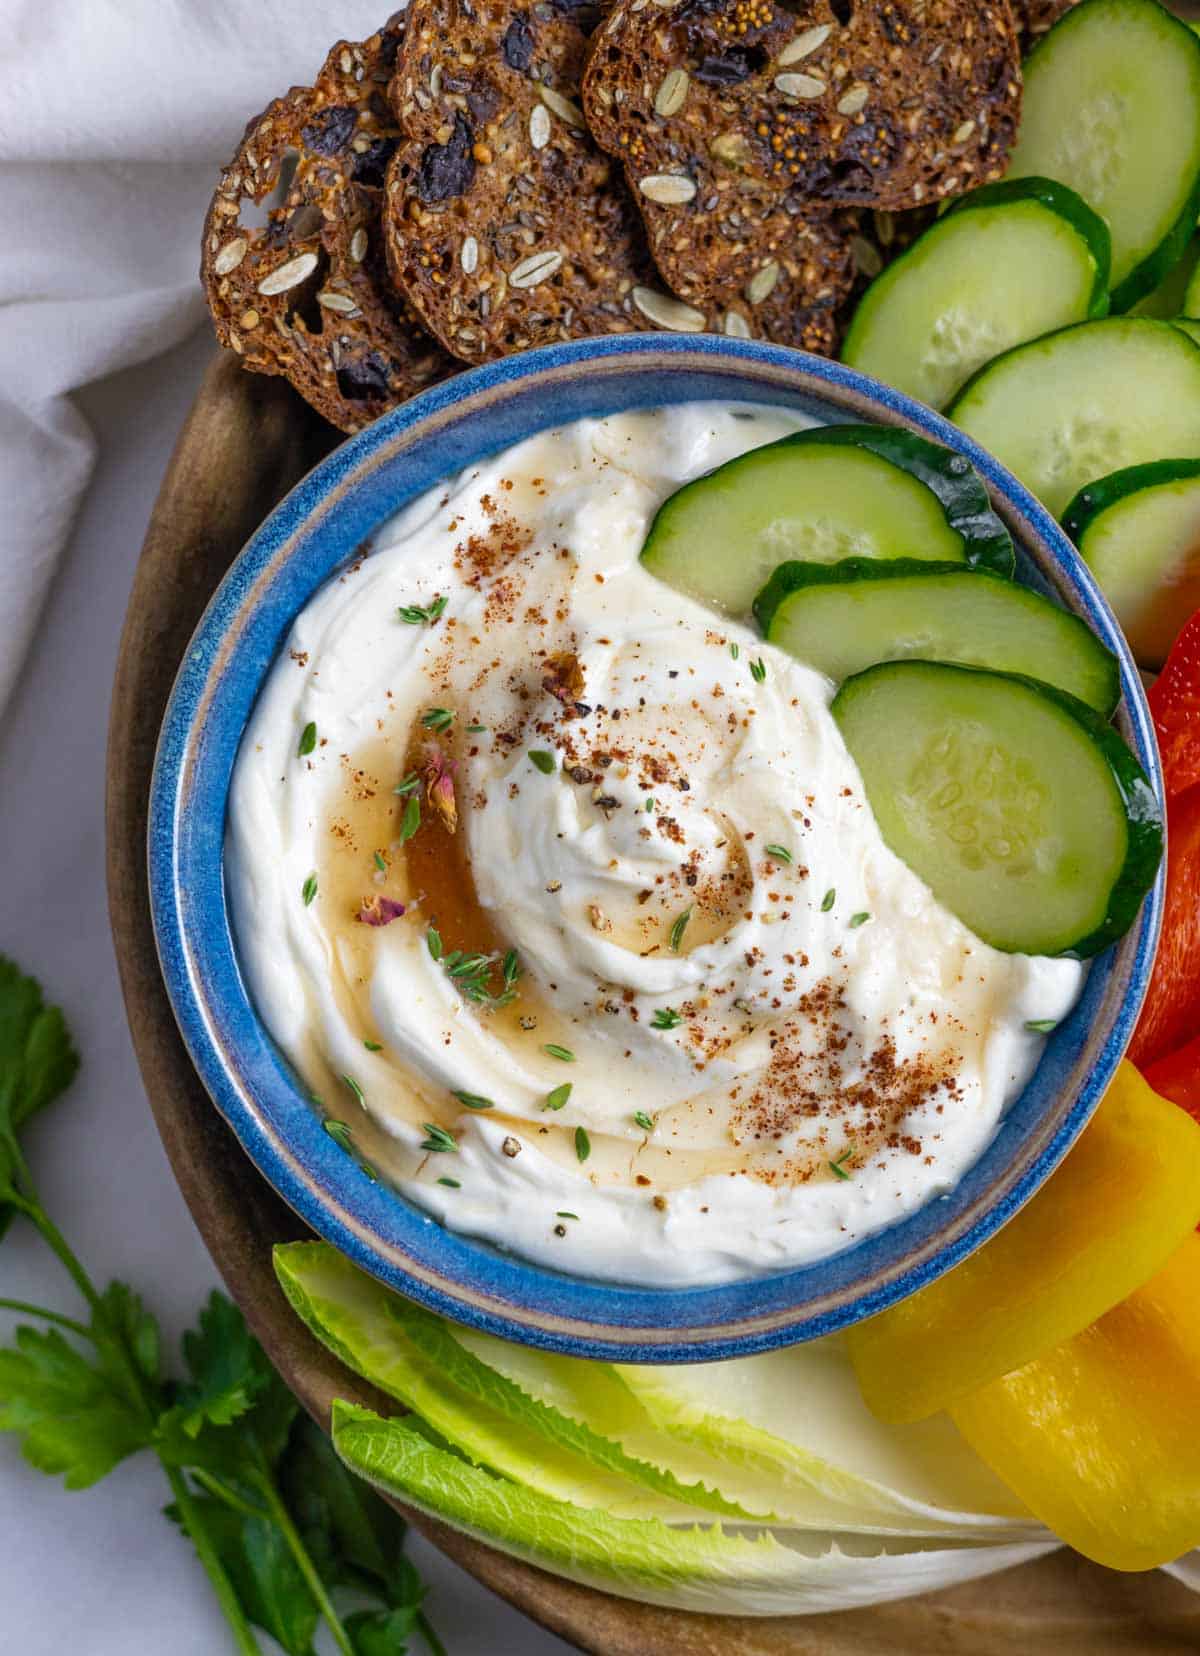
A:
(777, 1040)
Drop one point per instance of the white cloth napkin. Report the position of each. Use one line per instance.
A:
(114, 117)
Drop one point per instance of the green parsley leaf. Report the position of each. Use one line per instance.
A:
(678, 929)
(226, 1364)
(266, 1577)
(665, 1017)
(562, 1053)
(75, 1418)
(308, 740)
(828, 900)
(437, 1138)
(556, 1099)
(544, 761)
(38, 1062)
(780, 853)
(643, 1121)
(583, 1144)
(473, 1101)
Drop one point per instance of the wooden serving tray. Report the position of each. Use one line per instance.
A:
(246, 442)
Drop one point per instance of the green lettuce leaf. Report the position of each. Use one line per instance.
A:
(696, 1568)
(414, 1357)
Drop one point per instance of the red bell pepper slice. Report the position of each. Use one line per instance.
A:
(1171, 1016)
(1177, 1077)
(1175, 705)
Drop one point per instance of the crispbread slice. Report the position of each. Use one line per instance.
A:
(1035, 17)
(306, 295)
(880, 103)
(506, 226)
(757, 266)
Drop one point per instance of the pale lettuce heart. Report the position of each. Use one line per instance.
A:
(705, 1569)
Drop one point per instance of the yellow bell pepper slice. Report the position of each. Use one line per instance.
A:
(1106, 1220)
(1099, 1437)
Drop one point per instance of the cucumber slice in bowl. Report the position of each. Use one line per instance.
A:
(1009, 263)
(825, 494)
(1112, 108)
(842, 618)
(1020, 808)
(1086, 401)
(1139, 530)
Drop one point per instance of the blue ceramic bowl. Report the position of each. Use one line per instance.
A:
(316, 529)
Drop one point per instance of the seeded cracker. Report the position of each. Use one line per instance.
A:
(506, 226)
(1035, 17)
(306, 295)
(746, 103)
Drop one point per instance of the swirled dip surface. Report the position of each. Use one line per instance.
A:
(775, 1039)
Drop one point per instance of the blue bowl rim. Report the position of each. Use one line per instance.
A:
(382, 1232)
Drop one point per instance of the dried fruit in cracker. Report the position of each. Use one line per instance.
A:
(306, 294)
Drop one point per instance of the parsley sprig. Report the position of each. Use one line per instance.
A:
(278, 1523)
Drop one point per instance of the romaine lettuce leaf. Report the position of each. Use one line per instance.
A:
(413, 1356)
(707, 1569)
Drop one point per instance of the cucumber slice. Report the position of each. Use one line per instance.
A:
(1086, 401)
(1020, 808)
(1188, 325)
(1170, 298)
(825, 494)
(1191, 294)
(1009, 263)
(1139, 529)
(1112, 108)
(844, 617)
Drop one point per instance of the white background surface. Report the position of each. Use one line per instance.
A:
(99, 1572)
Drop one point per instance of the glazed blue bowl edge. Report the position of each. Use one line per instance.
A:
(323, 522)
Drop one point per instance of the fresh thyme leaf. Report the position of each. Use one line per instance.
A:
(411, 819)
(828, 900)
(758, 670)
(1041, 1026)
(477, 730)
(308, 739)
(373, 1046)
(410, 784)
(433, 941)
(734, 651)
(309, 889)
(380, 862)
(859, 919)
(665, 1017)
(355, 1089)
(454, 1184)
(649, 805)
(561, 1213)
(339, 1132)
(643, 1121)
(416, 614)
(780, 853)
(562, 1053)
(838, 1167)
(437, 1138)
(437, 718)
(544, 761)
(365, 1168)
(556, 1099)
(678, 929)
(511, 967)
(583, 1144)
(473, 1101)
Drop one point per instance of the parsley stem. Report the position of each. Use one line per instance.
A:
(437, 1648)
(220, 1491)
(244, 1638)
(299, 1552)
(54, 1317)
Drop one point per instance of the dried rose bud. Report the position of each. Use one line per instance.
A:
(379, 911)
(562, 677)
(439, 785)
